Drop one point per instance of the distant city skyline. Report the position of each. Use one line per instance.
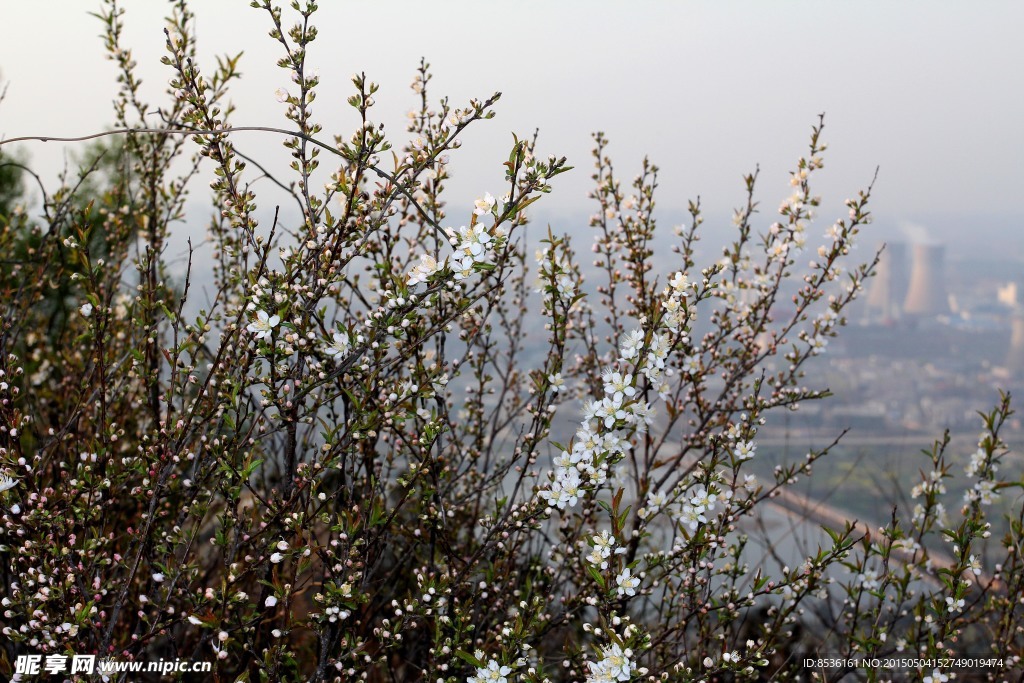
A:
(708, 90)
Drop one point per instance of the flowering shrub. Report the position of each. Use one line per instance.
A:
(342, 461)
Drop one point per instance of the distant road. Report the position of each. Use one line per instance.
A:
(793, 522)
(920, 440)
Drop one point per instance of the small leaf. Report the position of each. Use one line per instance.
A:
(466, 657)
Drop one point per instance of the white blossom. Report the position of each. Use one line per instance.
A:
(557, 383)
(615, 665)
(978, 459)
(339, 345)
(954, 605)
(631, 344)
(691, 365)
(263, 324)
(868, 579)
(422, 271)
(627, 584)
(566, 285)
(656, 500)
(680, 284)
(484, 206)
(618, 385)
(745, 450)
(492, 673)
(984, 492)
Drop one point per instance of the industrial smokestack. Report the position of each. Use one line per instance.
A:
(889, 284)
(927, 294)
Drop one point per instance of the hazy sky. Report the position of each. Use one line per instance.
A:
(928, 91)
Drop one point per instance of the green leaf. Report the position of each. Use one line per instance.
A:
(526, 203)
(621, 521)
(251, 467)
(466, 657)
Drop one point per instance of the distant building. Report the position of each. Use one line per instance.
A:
(1009, 294)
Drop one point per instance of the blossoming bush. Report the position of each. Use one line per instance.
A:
(346, 459)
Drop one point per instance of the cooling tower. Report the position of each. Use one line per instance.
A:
(927, 293)
(888, 286)
(1015, 356)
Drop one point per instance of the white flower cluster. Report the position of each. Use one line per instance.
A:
(557, 275)
(603, 433)
(472, 245)
(938, 511)
(616, 664)
(983, 465)
(555, 265)
(977, 463)
(984, 492)
(691, 504)
(672, 303)
(531, 170)
(492, 673)
(817, 339)
(422, 271)
(981, 460)
(455, 118)
(931, 482)
(693, 510)
(602, 548)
